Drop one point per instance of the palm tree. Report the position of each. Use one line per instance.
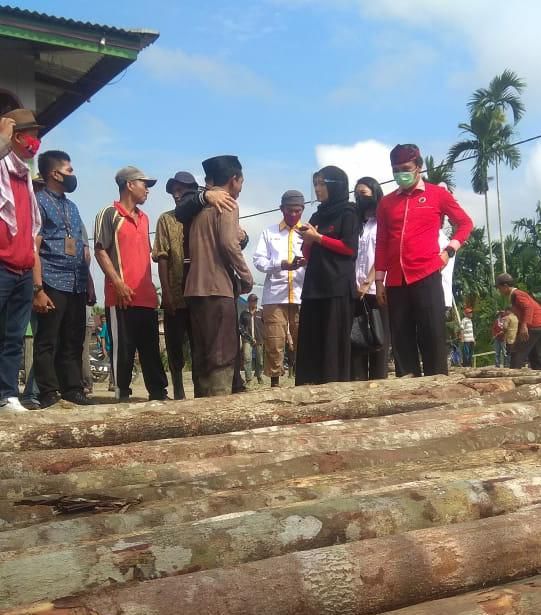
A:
(502, 93)
(441, 173)
(472, 271)
(488, 140)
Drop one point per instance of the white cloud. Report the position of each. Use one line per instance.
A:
(364, 158)
(175, 65)
(497, 34)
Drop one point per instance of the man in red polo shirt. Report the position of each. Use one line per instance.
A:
(409, 261)
(122, 248)
(527, 347)
(20, 222)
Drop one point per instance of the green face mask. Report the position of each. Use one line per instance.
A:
(405, 179)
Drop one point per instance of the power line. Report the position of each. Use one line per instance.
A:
(388, 181)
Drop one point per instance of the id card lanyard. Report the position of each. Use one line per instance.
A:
(70, 245)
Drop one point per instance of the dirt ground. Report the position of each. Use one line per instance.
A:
(101, 394)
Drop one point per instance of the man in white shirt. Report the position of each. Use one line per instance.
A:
(279, 256)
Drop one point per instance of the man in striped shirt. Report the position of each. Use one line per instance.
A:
(468, 337)
(122, 248)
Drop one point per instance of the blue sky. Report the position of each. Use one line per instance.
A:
(290, 85)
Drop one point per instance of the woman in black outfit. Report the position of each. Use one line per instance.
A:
(330, 247)
(368, 365)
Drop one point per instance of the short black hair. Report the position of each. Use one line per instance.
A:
(49, 160)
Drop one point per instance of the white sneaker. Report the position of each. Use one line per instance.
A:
(13, 405)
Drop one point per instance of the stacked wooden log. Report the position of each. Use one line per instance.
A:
(407, 497)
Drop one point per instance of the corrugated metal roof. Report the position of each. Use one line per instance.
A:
(145, 36)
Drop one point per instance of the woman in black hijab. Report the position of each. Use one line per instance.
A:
(330, 247)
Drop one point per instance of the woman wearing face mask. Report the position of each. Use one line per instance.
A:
(330, 247)
(368, 365)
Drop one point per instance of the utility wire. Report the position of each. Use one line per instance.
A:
(388, 181)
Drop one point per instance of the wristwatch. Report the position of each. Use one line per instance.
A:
(37, 288)
(451, 251)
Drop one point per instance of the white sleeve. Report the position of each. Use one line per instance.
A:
(262, 257)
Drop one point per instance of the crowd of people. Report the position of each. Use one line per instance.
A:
(376, 261)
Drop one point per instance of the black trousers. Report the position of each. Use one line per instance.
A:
(417, 317)
(371, 365)
(176, 328)
(529, 350)
(136, 329)
(59, 341)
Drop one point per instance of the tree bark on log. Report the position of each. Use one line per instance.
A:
(95, 427)
(285, 444)
(53, 571)
(360, 578)
(520, 598)
(454, 458)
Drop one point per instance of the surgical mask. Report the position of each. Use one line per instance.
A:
(292, 219)
(69, 182)
(405, 179)
(31, 144)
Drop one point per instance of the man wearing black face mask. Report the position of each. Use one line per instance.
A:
(61, 276)
(171, 252)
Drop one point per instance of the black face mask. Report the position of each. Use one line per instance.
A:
(366, 202)
(69, 182)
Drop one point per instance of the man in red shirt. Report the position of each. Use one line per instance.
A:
(19, 224)
(527, 347)
(122, 248)
(409, 261)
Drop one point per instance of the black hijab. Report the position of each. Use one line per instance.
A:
(337, 184)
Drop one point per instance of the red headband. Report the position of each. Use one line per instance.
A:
(401, 154)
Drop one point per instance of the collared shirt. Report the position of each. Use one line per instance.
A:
(279, 243)
(168, 244)
(408, 226)
(60, 219)
(126, 240)
(366, 253)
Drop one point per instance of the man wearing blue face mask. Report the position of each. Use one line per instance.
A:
(62, 285)
(409, 261)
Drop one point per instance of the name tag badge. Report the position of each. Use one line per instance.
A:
(70, 246)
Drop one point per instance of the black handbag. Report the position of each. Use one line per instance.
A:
(367, 329)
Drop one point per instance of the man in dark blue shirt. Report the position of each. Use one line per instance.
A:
(61, 278)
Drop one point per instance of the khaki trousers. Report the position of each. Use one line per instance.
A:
(278, 319)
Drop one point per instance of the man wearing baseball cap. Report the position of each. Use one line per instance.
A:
(20, 221)
(122, 248)
(279, 256)
(171, 252)
(409, 261)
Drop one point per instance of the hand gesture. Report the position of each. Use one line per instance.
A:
(381, 295)
(309, 233)
(363, 289)
(6, 127)
(124, 295)
(219, 198)
(42, 304)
